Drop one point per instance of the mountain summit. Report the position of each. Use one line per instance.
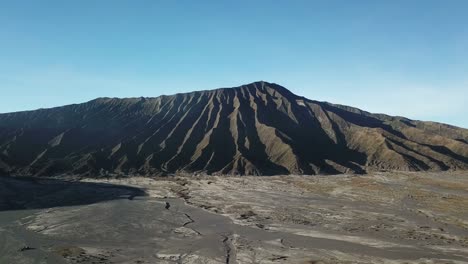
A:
(255, 129)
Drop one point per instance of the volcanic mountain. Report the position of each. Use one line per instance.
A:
(256, 129)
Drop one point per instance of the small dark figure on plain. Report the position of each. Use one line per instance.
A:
(167, 206)
(25, 248)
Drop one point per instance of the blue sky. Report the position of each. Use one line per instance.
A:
(406, 58)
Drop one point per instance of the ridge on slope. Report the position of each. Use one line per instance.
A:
(257, 129)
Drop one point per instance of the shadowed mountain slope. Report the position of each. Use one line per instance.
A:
(260, 129)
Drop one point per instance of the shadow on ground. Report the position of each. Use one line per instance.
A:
(33, 193)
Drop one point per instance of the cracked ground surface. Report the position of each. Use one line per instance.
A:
(375, 218)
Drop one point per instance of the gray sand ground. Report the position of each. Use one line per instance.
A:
(377, 218)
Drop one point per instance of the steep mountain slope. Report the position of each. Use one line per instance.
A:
(260, 129)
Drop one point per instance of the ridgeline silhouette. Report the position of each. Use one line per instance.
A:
(255, 129)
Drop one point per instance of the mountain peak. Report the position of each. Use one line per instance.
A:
(259, 128)
(262, 87)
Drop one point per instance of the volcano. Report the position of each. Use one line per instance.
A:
(256, 129)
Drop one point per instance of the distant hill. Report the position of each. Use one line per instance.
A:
(255, 129)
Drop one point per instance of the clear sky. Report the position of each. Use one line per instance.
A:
(406, 58)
